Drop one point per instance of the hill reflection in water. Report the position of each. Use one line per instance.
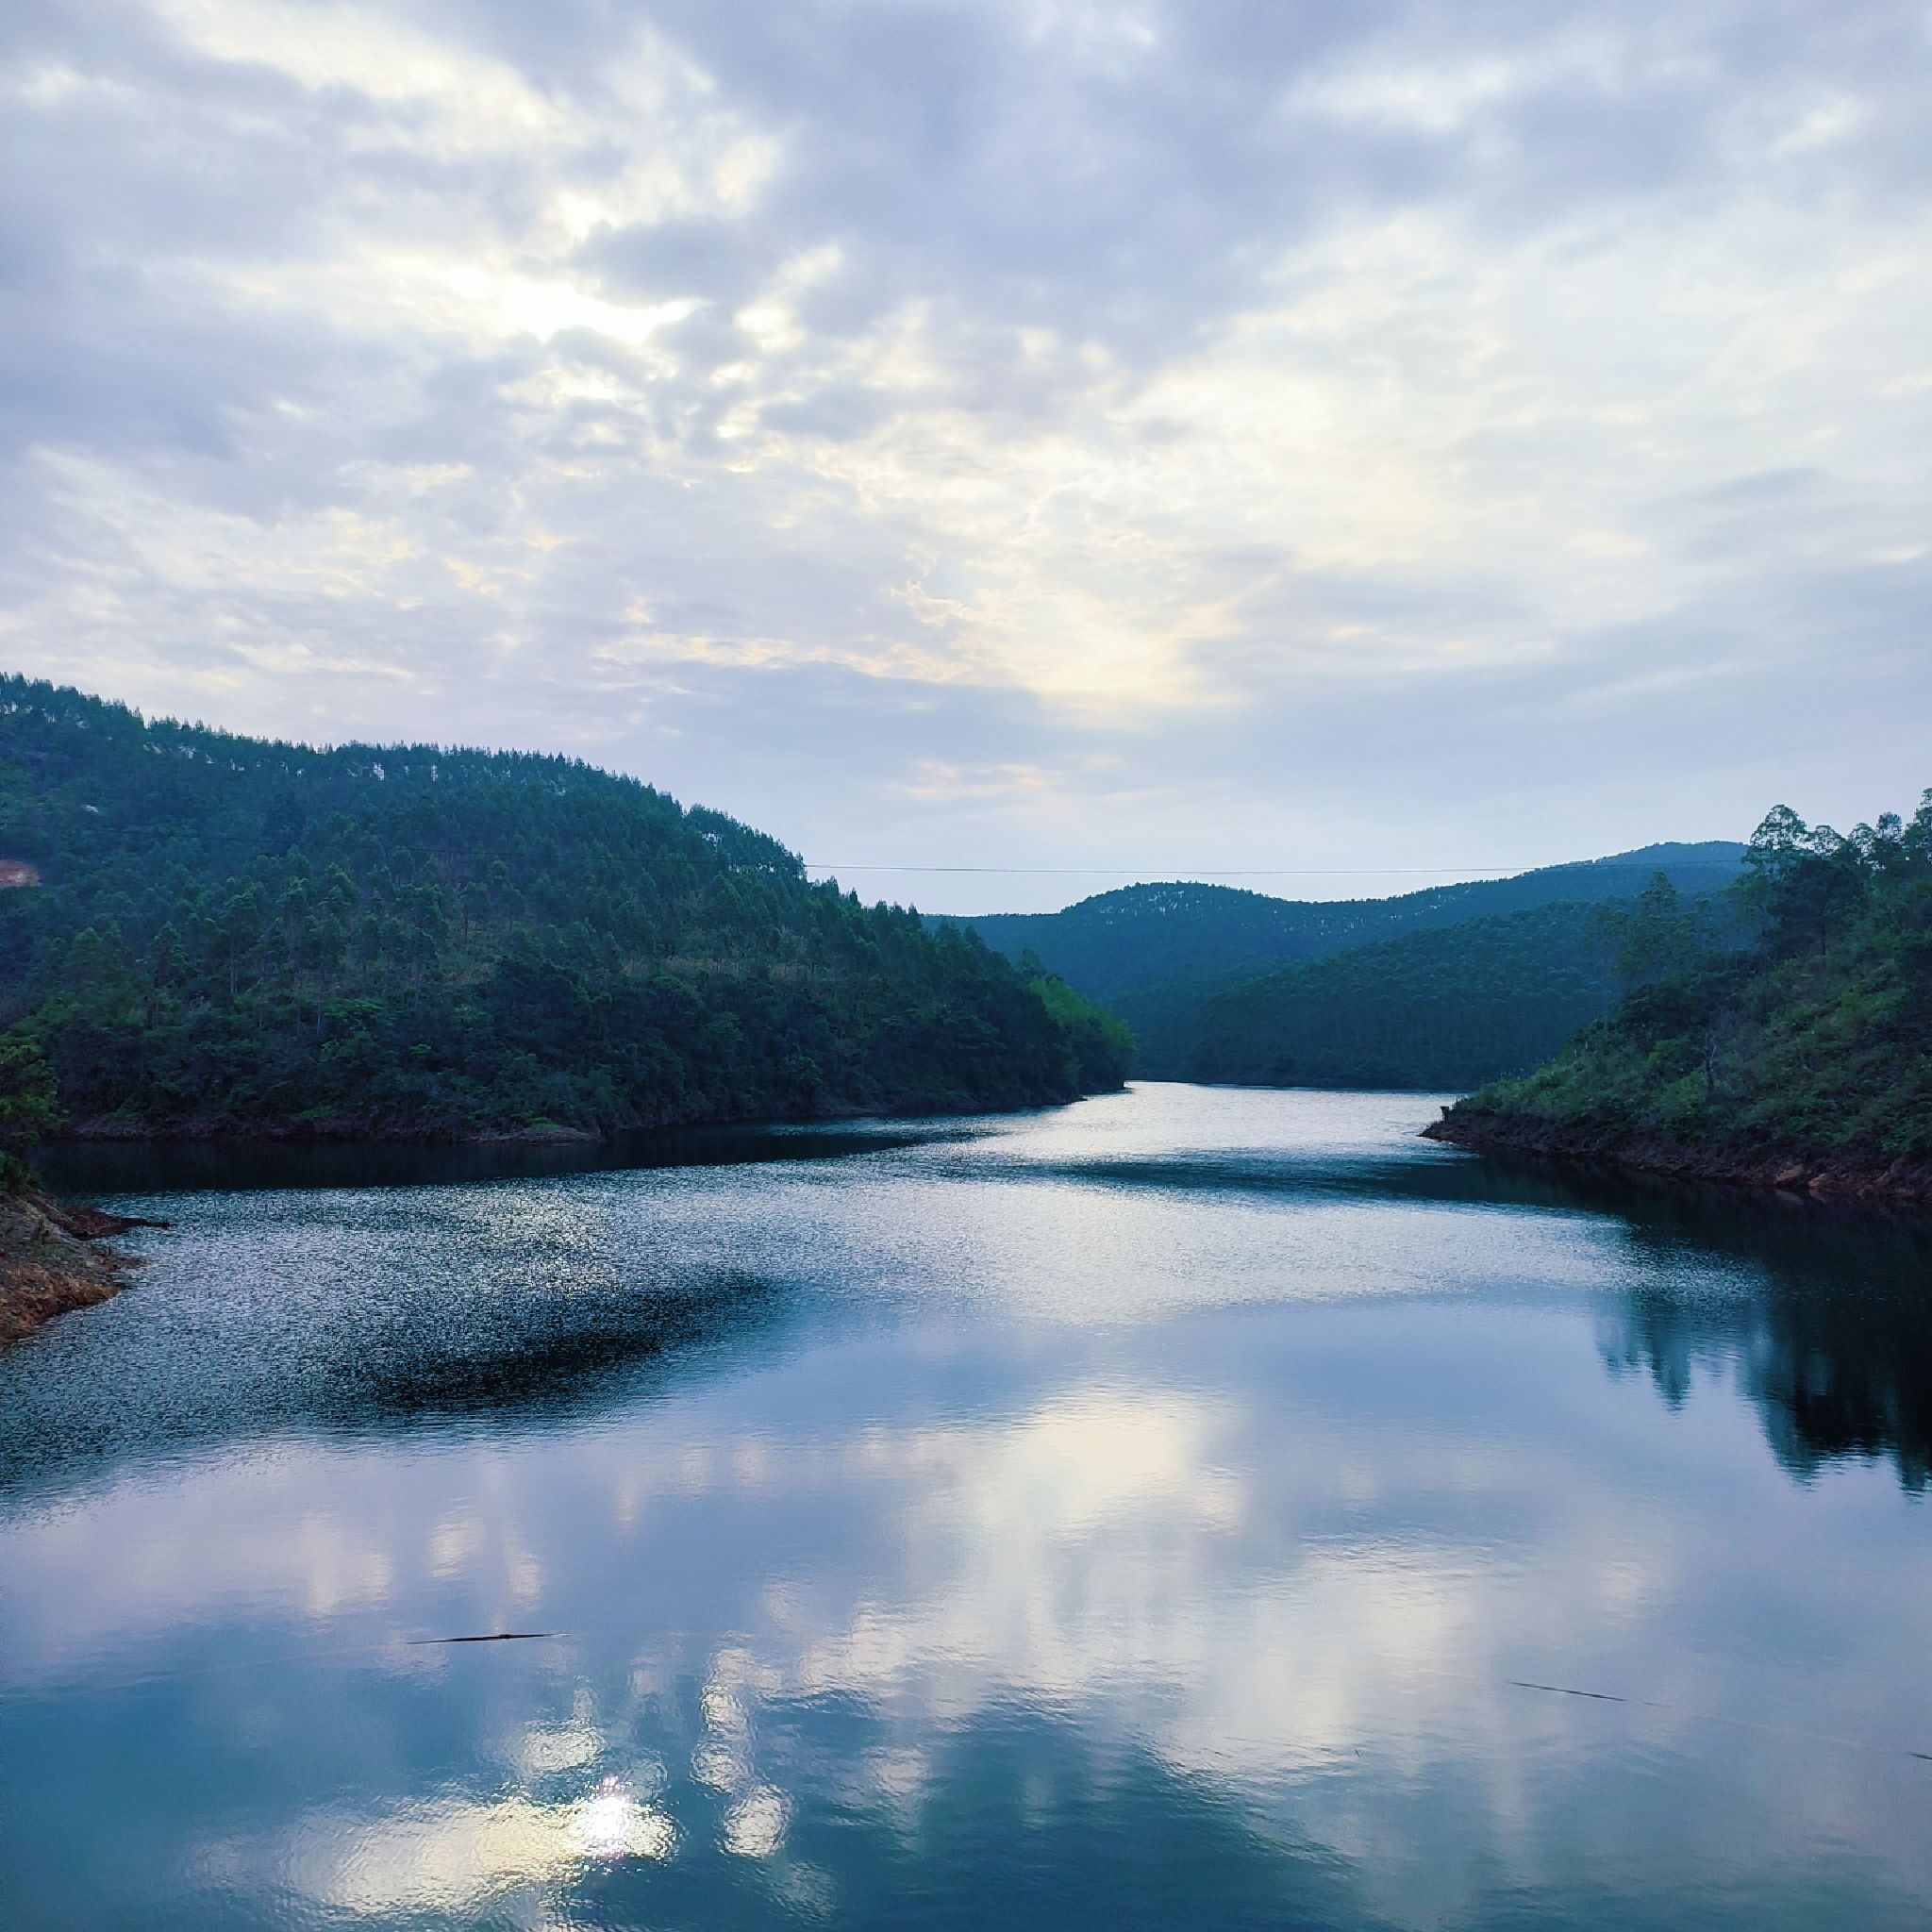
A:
(1159, 1512)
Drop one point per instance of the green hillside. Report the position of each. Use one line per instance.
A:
(1811, 1041)
(228, 933)
(1448, 1007)
(1154, 935)
(1444, 988)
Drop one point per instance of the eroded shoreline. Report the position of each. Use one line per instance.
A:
(51, 1259)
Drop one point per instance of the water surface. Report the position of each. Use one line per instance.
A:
(1192, 1507)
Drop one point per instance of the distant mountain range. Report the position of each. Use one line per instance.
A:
(1140, 935)
(1445, 987)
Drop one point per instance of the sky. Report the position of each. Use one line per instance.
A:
(1315, 439)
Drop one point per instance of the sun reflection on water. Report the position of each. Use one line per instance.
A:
(457, 1854)
(901, 1595)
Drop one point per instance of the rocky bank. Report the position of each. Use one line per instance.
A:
(51, 1259)
(1838, 1173)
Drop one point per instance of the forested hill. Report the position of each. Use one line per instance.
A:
(1796, 1050)
(230, 933)
(1142, 936)
(1445, 1008)
(1447, 987)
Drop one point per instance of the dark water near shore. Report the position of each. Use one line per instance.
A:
(1191, 1507)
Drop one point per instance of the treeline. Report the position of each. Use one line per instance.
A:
(1446, 1008)
(1808, 1031)
(230, 933)
(1447, 987)
(1192, 936)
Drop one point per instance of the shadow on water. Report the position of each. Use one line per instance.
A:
(552, 1356)
(354, 1364)
(1827, 1331)
(1838, 1361)
(1449, 1178)
(389, 1311)
(223, 1166)
(1824, 1319)
(1824, 1322)
(1821, 1313)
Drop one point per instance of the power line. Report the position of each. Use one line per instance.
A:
(1198, 871)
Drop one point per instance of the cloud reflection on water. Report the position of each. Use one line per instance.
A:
(1263, 1601)
(963, 1562)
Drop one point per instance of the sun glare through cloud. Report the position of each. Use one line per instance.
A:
(1165, 398)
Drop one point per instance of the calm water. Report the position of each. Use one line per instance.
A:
(1157, 1513)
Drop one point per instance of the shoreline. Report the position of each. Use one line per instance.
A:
(325, 1133)
(1824, 1175)
(352, 1132)
(51, 1260)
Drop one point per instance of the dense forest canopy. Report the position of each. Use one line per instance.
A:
(1449, 1007)
(1448, 987)
(1149, 934)
(413, 939)
(1803, 1021)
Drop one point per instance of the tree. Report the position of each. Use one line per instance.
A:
(28, 1111)
(1657, 938)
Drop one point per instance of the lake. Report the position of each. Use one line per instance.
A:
(1192, 1507)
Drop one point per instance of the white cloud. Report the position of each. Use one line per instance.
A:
(1149, 379)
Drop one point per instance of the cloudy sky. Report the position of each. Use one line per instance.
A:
(1311, 434)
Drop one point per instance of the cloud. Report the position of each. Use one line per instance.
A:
(1069, 387)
